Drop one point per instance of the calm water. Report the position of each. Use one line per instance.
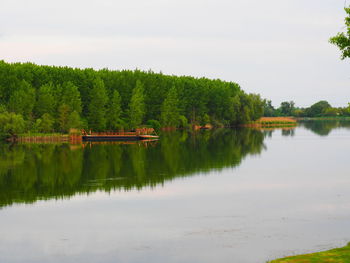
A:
(216, 196)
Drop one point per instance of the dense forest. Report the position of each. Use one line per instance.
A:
(48, 99)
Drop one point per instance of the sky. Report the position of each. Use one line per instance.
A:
(277, 48)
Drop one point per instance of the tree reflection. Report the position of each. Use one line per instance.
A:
(324, 127)
(30, 172)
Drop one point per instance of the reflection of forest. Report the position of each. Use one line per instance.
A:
(29, 172)
(324, 127)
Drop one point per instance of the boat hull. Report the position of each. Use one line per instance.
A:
(117, 137)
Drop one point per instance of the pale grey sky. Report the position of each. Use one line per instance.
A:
(277, 48)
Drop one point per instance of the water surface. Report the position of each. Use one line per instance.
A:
(217, 196)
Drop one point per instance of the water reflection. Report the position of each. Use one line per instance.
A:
(323, 128)
(30, 172)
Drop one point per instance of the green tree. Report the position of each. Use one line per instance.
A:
(11, 123)
(71, 97)
(74, 121)
(22, 101)
(331, 112)
(318, 109)
(46, 102)
(269, 110)
(257, 106)
(342, 40)
(137, 105)
(63, 114)
(114, 111)
(46, 124)
(287, 108)
(97, 106)
(170, 109)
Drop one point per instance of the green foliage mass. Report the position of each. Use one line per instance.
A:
(137, 105)
(114, 112)
(97, 107)
(170, 109)
(120, 99)
(319, 109)
(342, 40)
(11, 123)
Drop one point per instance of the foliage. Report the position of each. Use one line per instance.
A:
(287, 108)
(170, 109)
(342, 40)
(269, 110)
(183, 122)
(137, 105)
(318, 109)
(11, 123)
(46, 100)
(154, 124)
(63, 114)
(71, 97)
(97, 106)
(31, 91)
(46, 123)
(22, 100)
(115, 111)
(74, 121)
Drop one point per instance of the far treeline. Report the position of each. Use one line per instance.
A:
(46, 99)
(318, 109)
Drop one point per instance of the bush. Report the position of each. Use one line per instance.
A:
(154, 124)
(183, 122)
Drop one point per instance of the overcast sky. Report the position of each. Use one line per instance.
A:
(277, 48)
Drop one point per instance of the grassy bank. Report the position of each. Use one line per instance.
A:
(273, 122)
(337, 255)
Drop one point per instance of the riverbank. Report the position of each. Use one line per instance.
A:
(337, 255)
(275, 122)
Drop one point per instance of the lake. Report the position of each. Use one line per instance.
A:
(226, 195)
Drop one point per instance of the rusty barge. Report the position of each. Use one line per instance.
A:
(137, 135)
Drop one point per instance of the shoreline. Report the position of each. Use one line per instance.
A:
(335, 255)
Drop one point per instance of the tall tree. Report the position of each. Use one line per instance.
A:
(170, 109)
(74, 121)
(71, 97)
(97, 106)
(63, 114)
(46, 102)
(342, 40)
(137, 105)
(11, 123)
(46, 124)
(287, 108)
(318, 109)
(114, 111)
(70, 102)
(22, 101)
(269, 110)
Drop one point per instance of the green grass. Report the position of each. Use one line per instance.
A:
(338, 255)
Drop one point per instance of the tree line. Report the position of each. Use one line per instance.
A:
(319, 109)
(54, 99)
